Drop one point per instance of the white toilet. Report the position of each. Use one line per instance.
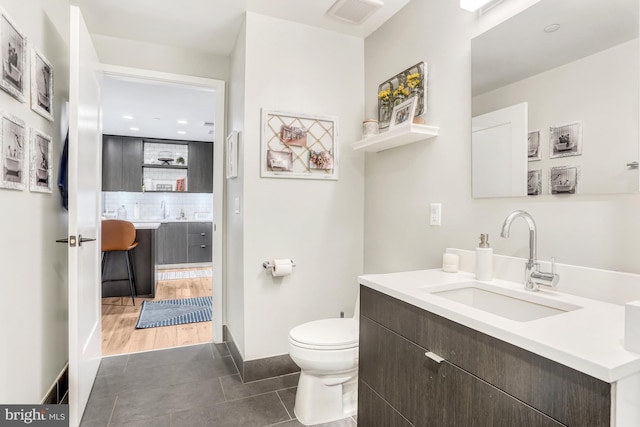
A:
(327, 353)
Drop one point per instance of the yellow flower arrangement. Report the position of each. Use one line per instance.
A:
(384, 95)
(401, 91)
(413, 80)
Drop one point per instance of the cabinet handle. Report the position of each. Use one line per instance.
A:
(203, 234)
(434, 357)
(203, 246)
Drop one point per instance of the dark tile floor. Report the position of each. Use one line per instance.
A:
(194, 386)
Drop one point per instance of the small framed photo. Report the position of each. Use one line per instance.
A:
(41, 85)
(14, 49)
(564, 179)
(533, 145)
(14, 136)
(403, 113)
(232, 155)
(40, 176)
(565, 140)
(534, 182)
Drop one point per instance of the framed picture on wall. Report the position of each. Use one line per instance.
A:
(232, 155)
(534, 182)
(296, 145)
(14, 136)
(564, 179)
(14, 49)
(41, 85)
(533, 145)
(40, 171)
(565, 140)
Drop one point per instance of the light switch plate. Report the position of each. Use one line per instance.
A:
(435, 214)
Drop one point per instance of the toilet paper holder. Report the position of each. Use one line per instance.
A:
(268, 265)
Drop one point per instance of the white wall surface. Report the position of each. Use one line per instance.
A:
(594, 231)
(317, 223)
(33, 301)
(234, 240)
(601, 92)
(150, 56)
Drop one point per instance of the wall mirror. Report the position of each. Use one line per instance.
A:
(576, 65)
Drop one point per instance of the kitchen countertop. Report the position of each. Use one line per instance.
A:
(589, 339)
(164, 221)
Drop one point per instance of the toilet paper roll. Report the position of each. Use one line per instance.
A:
(282, 267)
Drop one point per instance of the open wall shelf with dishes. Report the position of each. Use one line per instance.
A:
(165, 166)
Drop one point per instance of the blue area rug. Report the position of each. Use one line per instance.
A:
(174, 312)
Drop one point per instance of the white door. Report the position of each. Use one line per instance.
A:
(85, 335)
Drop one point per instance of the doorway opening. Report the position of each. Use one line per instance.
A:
(165, 133)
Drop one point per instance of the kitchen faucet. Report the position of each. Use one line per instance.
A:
(533, 277)
(163, 208)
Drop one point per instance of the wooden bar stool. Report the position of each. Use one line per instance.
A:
(119, 236)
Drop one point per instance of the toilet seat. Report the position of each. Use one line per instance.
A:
(326, 334)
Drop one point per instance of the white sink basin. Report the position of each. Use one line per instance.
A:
(522, 306)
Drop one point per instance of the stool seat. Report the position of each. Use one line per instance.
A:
(120, 236)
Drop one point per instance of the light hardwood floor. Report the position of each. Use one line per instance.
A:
(119, 317)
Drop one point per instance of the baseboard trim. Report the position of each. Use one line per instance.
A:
(259, 369)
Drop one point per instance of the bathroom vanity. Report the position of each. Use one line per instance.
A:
(432, 354)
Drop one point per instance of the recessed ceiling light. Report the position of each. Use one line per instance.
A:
(134, 128)
(183, 122)
(551, 28)
(127, 117)
(181, 132)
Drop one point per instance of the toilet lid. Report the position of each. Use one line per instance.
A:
(340, 333)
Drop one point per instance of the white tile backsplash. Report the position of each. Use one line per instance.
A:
(149, 203)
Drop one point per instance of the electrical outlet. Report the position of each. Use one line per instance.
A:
(435, 214)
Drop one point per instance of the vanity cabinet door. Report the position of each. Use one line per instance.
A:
(428, 393)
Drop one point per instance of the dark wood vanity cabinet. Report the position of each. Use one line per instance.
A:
(482, 381)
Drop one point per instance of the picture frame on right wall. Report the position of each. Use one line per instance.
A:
(533, 146)
(564, 179)
(565, 140)
(40, 171)
(13, 46)
(534, 182)
(41, 85)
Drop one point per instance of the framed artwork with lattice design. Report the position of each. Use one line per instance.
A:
(299, 146)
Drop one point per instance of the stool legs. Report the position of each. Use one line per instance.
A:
(131, 277)
(130, 272)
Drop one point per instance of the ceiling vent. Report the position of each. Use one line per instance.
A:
(354, 11)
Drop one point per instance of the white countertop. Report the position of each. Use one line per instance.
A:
(164, 221)
(589, 339)
(147, 225)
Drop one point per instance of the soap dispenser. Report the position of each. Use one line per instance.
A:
(484, 259)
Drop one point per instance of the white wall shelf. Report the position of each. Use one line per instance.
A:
(396, 137)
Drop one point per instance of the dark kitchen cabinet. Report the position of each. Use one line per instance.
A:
(200, 175)
(174, 243)
(199, 242)
(121, 163)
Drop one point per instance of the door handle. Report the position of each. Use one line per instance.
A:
(72, 241)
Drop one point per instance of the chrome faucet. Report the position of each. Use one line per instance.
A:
(533, 277)
(163, 209)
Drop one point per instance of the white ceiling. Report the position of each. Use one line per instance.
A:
(203, 25)
(519, 47)
(155, 109)
(212, 25)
